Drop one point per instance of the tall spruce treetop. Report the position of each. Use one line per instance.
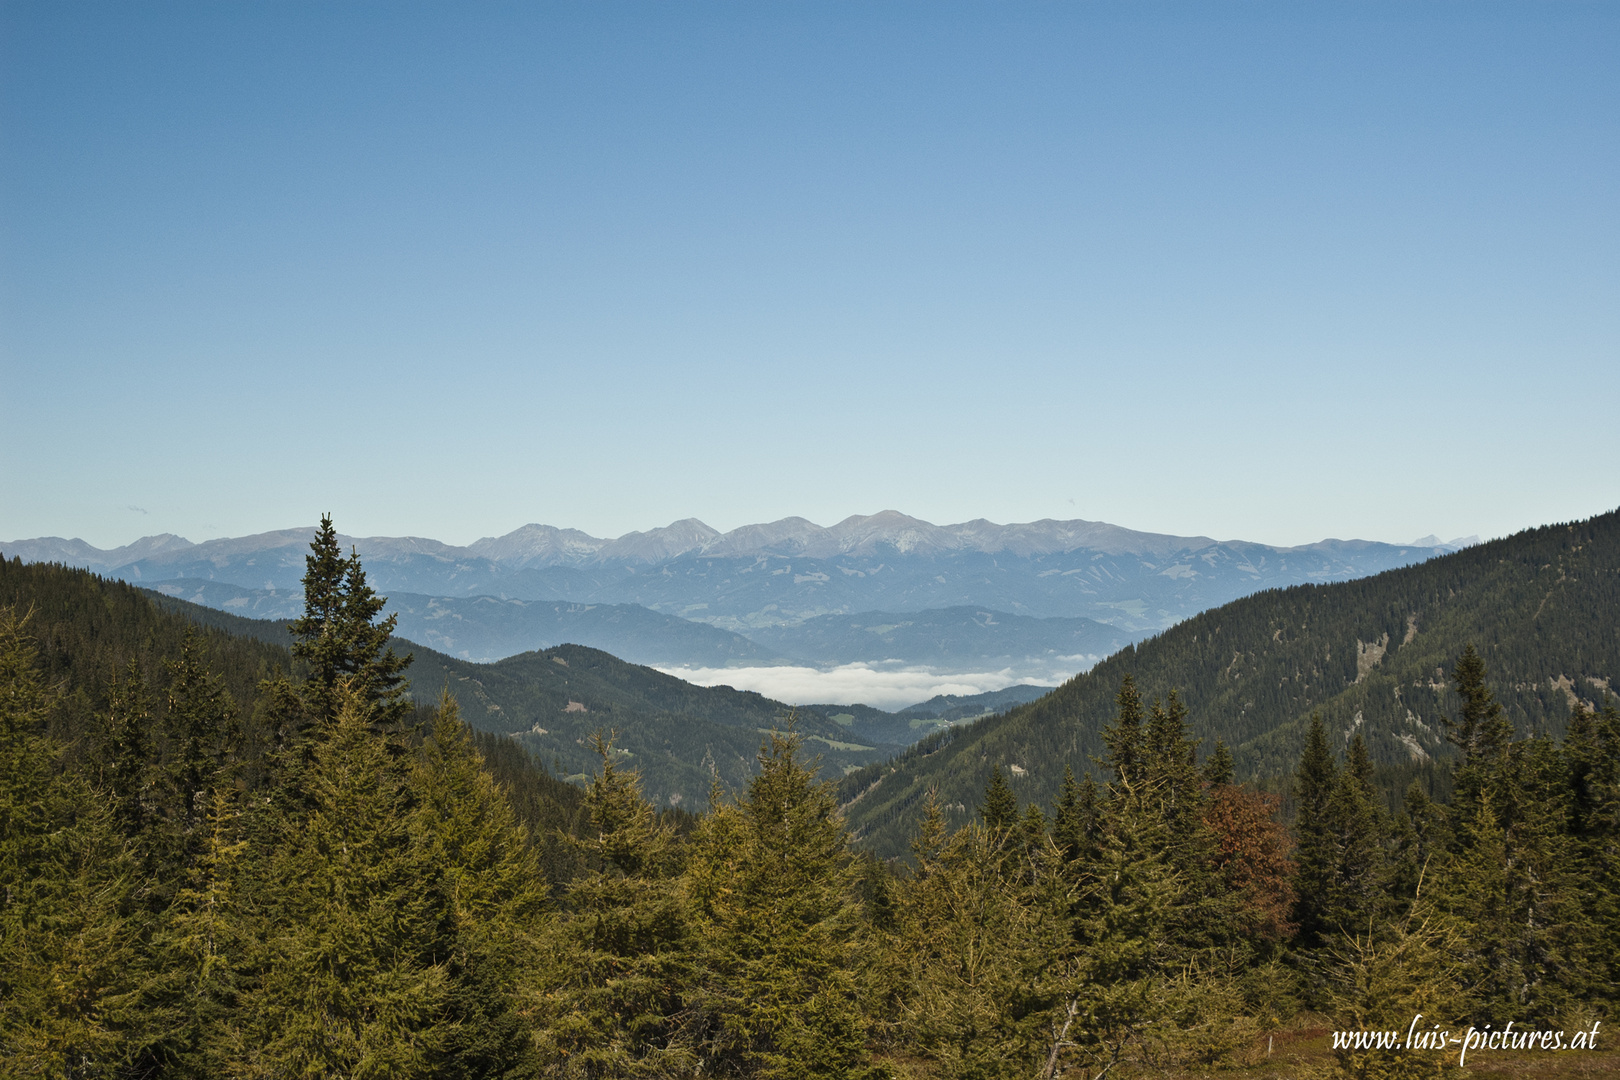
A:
(1220, 767)
(339, 638)
(1124, 736)
(1315, 858)
(1481, 730)
(1000, 806)
(1170, 763)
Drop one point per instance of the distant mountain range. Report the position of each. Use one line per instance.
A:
(787, 590)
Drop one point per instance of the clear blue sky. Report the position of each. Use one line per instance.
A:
(1271, 271)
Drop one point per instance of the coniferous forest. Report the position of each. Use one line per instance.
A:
(223, 858)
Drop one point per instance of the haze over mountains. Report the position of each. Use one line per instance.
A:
(1040, 600)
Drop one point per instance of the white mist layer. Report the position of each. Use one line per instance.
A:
(881, 686)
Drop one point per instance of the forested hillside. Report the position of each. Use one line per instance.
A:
(682, 737)
(1542, 607)
(220, 857)
(92, 637)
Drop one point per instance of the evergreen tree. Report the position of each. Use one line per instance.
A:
(1399, 976)
(1000, 807)
(1513, 883)
(1220, 768)
(341, 641)
(356, 976)
(1357, 892)
(194, 967)
(625, 956)
(774, 888)
(65, 878)
(1169, 752)
(464, 827)
(978, 946)
(1592, 753)
(1124, 737)
(1074, 828)
(202, 732)
(1419, 836)
(1315, 781)
(1127, 953)
(1480, 730)
(126, 753)
(1172, 792)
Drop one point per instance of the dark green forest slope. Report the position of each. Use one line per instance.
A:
(1369, 655)
(88, 631)
(551, 702)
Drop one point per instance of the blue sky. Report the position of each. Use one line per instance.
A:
(1269, 271)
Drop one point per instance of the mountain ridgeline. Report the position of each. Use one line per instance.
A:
(775, 585)
(1370, 656)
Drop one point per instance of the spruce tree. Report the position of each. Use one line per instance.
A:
(1000, 807)
(624, 958)
(202, 732)
(1480, 730)
(1592, 756)
(1400, 976)
(977, 945)
(126, 752)
(774, 889)
(1357, 893)
(1124, 737)
(1124, 927)
(1419, 837)
(1171, 763)
(341, 641)
(1172, 791)
(464, 827)
(1514, 882)
(356, 974)
(195, 966)
(1074, 826)
(1220, 768)
(66, 944)
(1315, 855)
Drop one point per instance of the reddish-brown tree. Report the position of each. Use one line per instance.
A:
(1252, 856)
